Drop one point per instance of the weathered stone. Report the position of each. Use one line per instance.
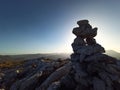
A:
(54, 86)
(89, 50)
(98, 48)
(94, 32)
(90, 41)
(76, 47)
(118, 62)
(79, 71)
(16, 85)
(94, 68)
(114, 77)
(96, 57)
(77, 31)
(82, 22)
(82, 57)
(68, 82)
(79, 41)
(116, 85)
(109, 88)
(88, 33)
(117, 67)
(87, 26)
(81, 81)
(98, 84)
(30, 83)
(112, 70)
(75, 57)
(104, 76)
(58, 74)
(81, 87)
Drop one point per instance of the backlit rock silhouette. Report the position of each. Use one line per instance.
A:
(84, 46)
(91, 69)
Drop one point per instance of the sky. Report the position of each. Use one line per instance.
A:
(45, 26)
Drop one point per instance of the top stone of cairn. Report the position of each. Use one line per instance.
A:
(85, 30)
(81, 22)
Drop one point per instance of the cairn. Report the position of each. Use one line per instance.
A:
(91, 69)
(84, 43)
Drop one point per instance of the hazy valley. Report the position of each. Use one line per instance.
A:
(52, 56)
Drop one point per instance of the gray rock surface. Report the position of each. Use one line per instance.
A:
(82, 22)
(98, 84)
(92, 70)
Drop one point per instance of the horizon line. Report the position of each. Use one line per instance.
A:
(47, 53)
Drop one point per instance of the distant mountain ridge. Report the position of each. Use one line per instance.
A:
(113, 53)
(51, 56)
(5, 57)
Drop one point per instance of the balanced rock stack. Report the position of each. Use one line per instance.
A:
(91, 69)
(85, 44)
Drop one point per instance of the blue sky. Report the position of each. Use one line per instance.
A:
(45, 26)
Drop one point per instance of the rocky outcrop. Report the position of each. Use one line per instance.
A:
(91, 69)
(31, 74)
(88, 69)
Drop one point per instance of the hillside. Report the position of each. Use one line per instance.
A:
(50, 56)
(113, 53)
(53, 56)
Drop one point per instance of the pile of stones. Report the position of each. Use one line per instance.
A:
(91, 69)
(88, 69)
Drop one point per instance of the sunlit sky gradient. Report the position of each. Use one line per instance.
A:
(45, 26)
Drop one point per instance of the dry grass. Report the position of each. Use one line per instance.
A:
(10, 63)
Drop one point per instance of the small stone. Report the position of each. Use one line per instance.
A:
(75, 57)
(98, 48)
(113, 77)
(76, 47)
(111, 70)
(82, 57)
(84, 82)
(109, 88)
(54, 86)
(82, 22)
(81, 87)
(98, 84)
(68, 82)
(104, 76)
(117, 67)
(118, 62)
(79, 41)
(90, 41)
(77, 31)
(87, 26)
(85, 33)
(90, 49)
(79, 71)
(89, 33)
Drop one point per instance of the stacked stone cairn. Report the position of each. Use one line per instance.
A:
(91, 69)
